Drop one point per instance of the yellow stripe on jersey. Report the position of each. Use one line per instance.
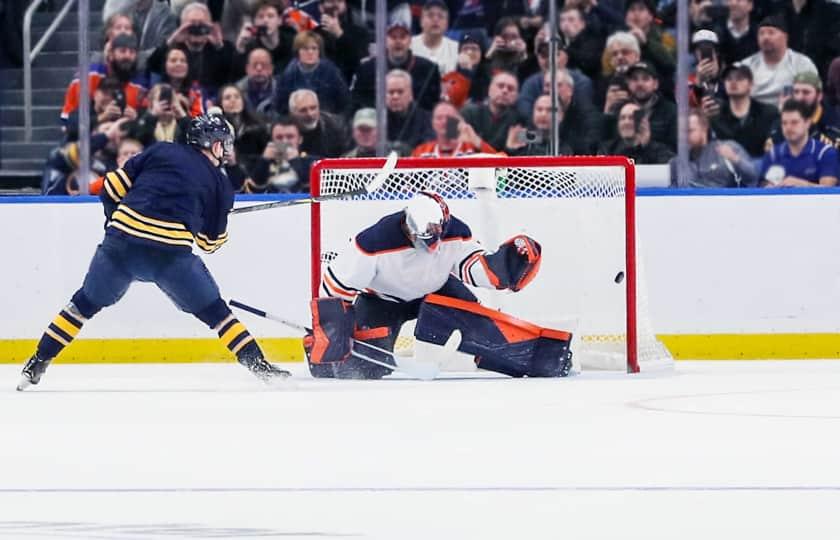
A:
(208, 245)
(68, 327)
(242, 343)
(115, 182)
(56, 337)
(138, 225)
(152, 221)
(110, 191)
(128, 230)
(124, 176)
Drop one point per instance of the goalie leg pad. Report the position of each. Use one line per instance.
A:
(501, 343)
(515, 264)
(378, 322)
(331, 340)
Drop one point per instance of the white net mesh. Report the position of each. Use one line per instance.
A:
(576, 212)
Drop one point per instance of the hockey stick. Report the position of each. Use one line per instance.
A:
(418, 370)
(373, 185)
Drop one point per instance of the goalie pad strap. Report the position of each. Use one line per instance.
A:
(367, 334)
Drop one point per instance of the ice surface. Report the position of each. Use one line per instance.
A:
(717, 450)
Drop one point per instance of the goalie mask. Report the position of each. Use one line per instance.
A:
(426, 220)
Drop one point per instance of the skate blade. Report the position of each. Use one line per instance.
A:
(23, 384)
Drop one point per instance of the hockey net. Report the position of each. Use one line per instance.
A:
(582, 211)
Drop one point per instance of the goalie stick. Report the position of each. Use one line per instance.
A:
(373, 185)
(418, 370)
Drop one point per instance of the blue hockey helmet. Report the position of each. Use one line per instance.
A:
(206, 129)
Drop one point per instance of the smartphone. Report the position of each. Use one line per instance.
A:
(707, 52)
(166, 94)
(787, 90)
(638, 117)
(452, 127)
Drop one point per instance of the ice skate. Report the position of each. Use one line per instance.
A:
(32, 372)
(264, 370)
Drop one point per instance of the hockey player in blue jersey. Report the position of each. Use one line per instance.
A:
(156, 206)
(414, 264)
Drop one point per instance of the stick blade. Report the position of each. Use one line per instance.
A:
(382, 175)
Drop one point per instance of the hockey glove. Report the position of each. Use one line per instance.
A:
(516, 263)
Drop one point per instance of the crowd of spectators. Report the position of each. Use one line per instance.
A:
(296, 80)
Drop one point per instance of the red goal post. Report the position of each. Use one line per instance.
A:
(581, 194)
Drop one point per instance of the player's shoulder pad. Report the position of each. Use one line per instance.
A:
(384, 235)
(457, 229)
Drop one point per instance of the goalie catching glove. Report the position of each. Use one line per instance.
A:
(515, 264)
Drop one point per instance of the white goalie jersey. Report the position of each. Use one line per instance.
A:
(382, 261)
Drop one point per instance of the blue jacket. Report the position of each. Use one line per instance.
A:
(325, 80)
(168, 196)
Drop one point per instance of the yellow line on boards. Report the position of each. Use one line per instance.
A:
(182, 350)
(128, 351)
(752, 346)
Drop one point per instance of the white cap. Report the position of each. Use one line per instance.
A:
(704, 35)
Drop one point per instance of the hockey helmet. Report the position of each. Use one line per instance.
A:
(206, 129)
(426, 220)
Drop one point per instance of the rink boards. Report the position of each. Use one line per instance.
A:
(749, 276)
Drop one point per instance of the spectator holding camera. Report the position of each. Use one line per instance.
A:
(705, 82)
(266, 32)
(282, 167)
(741, 118)
(104, 109)
(775, 65)
(311, 71)
(209, 56)
(122, 66)
(712, 163)
(522, 141)
(453, 136)
(176, 73)
(799, 161)
(507, 50)
(634, 138)
(323, 134)
(492, 119)
(165, 120)
(471, 78)
(825, 123)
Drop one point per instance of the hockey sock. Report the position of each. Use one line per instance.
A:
(61, 331)
(237, 339)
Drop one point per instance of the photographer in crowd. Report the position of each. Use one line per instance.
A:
(634, 139)
(522, 141)
(282, 167)
(210, 57)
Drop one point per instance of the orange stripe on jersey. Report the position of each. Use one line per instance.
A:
(333, 287)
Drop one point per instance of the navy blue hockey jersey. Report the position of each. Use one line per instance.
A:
(170, 196)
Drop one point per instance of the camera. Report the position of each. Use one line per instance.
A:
(261, 30)
(452, 127)
(638, 117)
(199, 29)
(165, 93)
(119, 98)
(706, 50)
(529, 137)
